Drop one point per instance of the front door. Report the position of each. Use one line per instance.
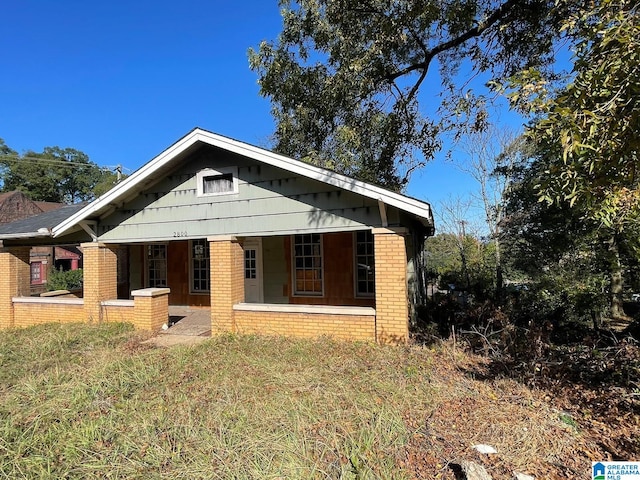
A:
(253, 271)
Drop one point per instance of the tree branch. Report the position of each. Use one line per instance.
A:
(476, 31)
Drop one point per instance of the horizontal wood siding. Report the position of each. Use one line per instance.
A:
(270, 201)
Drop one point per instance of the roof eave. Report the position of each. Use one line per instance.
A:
(421, 210)
(23, 235)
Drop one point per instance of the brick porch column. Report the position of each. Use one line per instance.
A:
(227, 281)
(392, 299)
(100, 278)
(151, 308)
(15, 280)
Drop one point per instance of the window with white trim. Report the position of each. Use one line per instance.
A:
(307, 264)
(156, 265)
(200, 266)
(36, 273)
(221, 181)
(365, 264)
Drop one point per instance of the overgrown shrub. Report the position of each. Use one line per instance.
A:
(65, 280)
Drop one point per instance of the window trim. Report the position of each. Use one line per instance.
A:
(294, 291)
(211, 172)
(39, 280)
(147, 277)
(191, 269)
(356, 293)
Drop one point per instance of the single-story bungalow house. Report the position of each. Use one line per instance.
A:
(269, 244)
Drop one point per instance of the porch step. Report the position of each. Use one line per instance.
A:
(187, 322)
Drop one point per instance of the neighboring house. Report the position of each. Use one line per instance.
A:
(16, 206)
(270, 244)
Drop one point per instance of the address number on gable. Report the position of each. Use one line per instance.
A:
(179, 234)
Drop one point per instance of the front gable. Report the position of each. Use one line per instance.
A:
(268, 201)
(268, 194)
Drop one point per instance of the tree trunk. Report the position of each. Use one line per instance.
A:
(499, 279)
(617, 280)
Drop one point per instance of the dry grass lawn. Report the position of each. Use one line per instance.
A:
(82, 401)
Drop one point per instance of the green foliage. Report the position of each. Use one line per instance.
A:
(344, 76)
(65, 280)
(593, 123)
(465, 262)
(569, 258)
(62, 175)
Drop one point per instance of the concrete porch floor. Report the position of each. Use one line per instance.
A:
(189, 321)
(187, 326)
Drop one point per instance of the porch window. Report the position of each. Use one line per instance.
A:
(250, 266)
(199, 253)
(222, 181)
(307, 261)
(36, 273)
(365, 264)
(157, 265)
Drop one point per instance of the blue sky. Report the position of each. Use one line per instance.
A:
(123, 80)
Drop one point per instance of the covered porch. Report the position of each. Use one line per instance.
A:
(300, 285)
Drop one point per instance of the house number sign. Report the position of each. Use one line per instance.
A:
(179, 234)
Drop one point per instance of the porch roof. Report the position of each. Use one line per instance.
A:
(38, 226)
(145, 175)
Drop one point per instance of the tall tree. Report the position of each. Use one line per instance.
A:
(345, 76)
(593, 123)
(568, 253)
(63, 175)
(490, 157)
(589, 130)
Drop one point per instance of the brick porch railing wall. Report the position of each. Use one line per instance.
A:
(309, 321)
(149, 309)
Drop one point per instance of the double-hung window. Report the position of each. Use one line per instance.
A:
(199, 259)
(307, 265)
(365, 264)
(156, 265)
(36, 273)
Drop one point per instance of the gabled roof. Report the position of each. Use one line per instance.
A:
(38, 225)
(141, 177)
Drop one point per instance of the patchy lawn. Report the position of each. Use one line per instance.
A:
(81, 401)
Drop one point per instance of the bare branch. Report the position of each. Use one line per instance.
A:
(498, 14)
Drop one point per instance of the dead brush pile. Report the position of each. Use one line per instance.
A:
(591, 385)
